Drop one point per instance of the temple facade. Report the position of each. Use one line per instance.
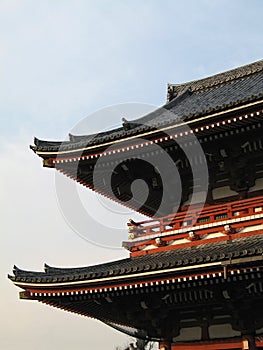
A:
(193, 278)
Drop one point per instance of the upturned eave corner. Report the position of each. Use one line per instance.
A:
(33, 148)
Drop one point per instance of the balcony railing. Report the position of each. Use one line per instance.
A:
(210, 215)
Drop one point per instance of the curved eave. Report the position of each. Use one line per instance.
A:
(198, 272)
(128, 278)
(152, 267)
(98, 148)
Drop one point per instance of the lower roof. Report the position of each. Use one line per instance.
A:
(188, 257)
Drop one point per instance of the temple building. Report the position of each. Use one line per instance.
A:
(193, 278)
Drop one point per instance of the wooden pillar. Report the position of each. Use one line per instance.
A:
(248, 342)
(165, 346)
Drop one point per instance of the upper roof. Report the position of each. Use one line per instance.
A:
(186, 102)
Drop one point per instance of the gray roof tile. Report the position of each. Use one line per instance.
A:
(192, 255)
(188, 101)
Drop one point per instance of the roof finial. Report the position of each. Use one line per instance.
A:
(125, 124)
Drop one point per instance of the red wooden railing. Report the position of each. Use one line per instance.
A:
(183, 221)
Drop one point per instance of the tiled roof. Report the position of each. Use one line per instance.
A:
(187, 101)
(189, 256)
(218, 79)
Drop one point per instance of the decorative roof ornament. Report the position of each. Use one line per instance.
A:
(215, 80)
(125, 124)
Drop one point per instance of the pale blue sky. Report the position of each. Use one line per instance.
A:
(60, 61)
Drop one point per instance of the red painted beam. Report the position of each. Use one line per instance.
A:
(213, 346)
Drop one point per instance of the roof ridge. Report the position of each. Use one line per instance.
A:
(217, 79)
